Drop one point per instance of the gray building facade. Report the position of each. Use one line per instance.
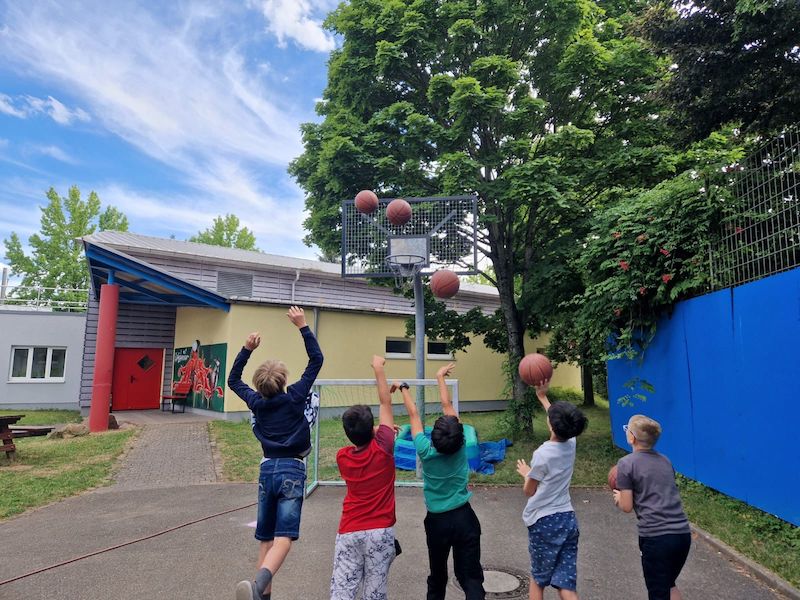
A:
(40, 356)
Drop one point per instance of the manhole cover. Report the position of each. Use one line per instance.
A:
(501, 583)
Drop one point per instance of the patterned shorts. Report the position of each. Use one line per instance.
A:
(553, 546)
(362, 557)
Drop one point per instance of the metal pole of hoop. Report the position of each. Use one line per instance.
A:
(406, 266)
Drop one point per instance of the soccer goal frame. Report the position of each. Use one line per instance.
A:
(313, 478)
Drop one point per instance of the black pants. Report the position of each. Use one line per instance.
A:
(663, 557)
(460, 530)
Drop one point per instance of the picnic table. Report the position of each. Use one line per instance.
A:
(6, 436)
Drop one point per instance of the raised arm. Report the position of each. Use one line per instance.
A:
(444, 393)
(386, 416)
(541, 394)
(239, 387)
(301, 388)
(411, 408)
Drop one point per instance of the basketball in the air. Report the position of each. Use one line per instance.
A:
(366, 201)
(535, 368)
(444, 284)
(398, 212)
(612, 477)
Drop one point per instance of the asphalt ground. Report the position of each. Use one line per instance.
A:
(206, 559)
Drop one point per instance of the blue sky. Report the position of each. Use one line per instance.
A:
(173, 112)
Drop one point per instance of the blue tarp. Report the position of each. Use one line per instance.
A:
(492, 453)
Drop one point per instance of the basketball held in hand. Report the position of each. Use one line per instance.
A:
(366, 201)
(398, 212)
(535, 368)
(444, 284)
(612, 477)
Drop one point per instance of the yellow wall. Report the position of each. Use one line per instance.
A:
(348, 341)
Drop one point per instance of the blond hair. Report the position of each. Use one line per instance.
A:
(645, 430)
(270, 378)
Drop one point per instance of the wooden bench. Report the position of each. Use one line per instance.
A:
(6, 437)
(178, 397)
(21, 431)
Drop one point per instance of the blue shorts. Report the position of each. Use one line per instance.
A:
(553, 546)
(281, 488)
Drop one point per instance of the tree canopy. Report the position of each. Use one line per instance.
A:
(55, 260)
(732, 60)
(542, 109)
(225, 231)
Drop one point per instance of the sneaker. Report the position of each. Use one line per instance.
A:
(246, 590)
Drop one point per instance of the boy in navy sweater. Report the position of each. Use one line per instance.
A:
(282, 429)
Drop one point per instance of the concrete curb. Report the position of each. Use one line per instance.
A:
(756, 570)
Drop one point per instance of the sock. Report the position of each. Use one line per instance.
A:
(263, 579)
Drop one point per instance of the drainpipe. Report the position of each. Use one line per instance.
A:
(104, 355)
(296, 279)
(3, 286)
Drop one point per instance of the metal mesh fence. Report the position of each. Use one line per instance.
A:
(443, 230)
(762, 234)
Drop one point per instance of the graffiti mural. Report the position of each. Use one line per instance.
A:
(201, 369)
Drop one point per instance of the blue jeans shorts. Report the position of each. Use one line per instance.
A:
(553, 546)
(281, 487)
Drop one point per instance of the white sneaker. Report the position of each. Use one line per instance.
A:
(246, 590)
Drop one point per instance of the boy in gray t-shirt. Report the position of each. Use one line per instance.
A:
(646, 484)
(549, 516)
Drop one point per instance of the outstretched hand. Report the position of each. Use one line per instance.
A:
(378, 362)
(523, 468)
(252, 341)
(445, 370)
(297, 316)
(542, 388)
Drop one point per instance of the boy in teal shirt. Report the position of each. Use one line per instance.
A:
(450, 522)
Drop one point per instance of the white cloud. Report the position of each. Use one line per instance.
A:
(26, 106)
(55, 152)
(300, 21)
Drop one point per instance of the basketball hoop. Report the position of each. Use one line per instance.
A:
(405, 266)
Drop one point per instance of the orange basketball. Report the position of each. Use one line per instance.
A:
(612, 477)
(444, 284)
(366, 201)
(535, 368)
(398, 212)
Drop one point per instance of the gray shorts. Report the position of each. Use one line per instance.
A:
(362, 557)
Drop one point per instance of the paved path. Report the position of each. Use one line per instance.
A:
(164, 456)
(156, 490)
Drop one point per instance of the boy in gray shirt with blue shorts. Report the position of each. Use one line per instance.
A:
(549, 515)
(646, 484)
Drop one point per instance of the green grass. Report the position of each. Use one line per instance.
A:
(761, 537)
(44, 471)
(44, 417)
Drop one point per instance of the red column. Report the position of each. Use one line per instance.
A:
(104, 357)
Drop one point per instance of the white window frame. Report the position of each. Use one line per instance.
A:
(402, 355)
(448, 356)
(29, 366)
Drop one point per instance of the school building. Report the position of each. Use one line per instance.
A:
(167, 314)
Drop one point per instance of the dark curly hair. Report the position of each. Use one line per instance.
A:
(358, 423)
(566, 420)
(447, 435)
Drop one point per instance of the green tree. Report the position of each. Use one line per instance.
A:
(55, 262)
(225, 231)
(539, 108)
(733, 60)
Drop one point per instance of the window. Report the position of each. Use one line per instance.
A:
(37, 364)
(399, 348)
(439, 351)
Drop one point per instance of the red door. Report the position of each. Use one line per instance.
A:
(137, 378)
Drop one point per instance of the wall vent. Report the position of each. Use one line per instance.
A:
(235, 284)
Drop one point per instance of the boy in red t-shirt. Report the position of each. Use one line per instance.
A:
(365, 545)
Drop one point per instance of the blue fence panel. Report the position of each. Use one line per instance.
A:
(726, 367)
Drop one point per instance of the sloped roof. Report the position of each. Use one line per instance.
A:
(145, 244)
